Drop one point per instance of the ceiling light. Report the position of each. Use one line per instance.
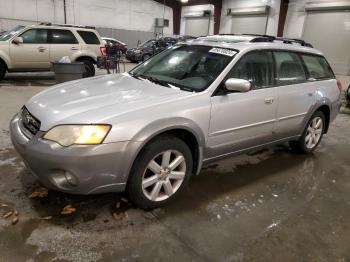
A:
(184, 1)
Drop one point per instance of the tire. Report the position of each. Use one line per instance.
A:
(146, 57)
(157, 191)
(2, 70)
(312, 134)
(89, 68)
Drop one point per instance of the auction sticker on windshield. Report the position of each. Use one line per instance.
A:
(223, 51)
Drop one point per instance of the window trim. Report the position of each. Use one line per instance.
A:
(218, 92)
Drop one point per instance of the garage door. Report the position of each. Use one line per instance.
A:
(197, 26)
(330, 32)
(249, 24)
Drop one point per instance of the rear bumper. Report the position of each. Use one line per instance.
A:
(76, 169)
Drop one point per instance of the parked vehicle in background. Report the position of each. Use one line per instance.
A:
(186, 38)
(114, 42)
(348, 96)
(33, 48)
(149, 48)
(148, 131)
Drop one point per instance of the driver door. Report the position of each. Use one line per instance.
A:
(34, 52)
(244, 120)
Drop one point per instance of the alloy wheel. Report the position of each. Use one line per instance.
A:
(314, 132)
(164, 175)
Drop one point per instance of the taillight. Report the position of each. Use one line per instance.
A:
(103, 50)
(339, 86)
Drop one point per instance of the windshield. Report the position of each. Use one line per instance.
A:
(192, 68)
(8, 34)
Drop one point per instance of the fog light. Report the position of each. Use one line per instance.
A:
(63, 179)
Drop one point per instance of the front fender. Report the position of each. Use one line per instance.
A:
(158, 127)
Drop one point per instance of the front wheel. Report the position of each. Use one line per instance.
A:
(312, 134)
(160, 172)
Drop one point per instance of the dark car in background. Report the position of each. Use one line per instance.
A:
(149, 49)
(348, 96)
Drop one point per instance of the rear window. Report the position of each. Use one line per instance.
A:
(89, 37)
(62, 37)
(317, 67)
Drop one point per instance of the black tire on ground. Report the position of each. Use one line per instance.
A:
(89, 68)
(2, 70)
(300, 145)
(139, 169)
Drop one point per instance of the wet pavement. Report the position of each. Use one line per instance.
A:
(269, 205)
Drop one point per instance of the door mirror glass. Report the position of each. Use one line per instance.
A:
(237, 85)
(17, 40)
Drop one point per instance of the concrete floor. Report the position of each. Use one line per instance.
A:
(270, 205)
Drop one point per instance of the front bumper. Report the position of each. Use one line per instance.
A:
(79, 169)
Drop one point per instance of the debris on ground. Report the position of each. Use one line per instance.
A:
(8, 214)
(39, 192)
(119, 216)
(15, 220)
(67, 210)
(46, 218)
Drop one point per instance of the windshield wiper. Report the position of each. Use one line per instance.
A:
(155, 80)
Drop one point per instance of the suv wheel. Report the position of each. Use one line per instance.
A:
(89, 68)
(160, 172)
(2, 70)
(312, 134)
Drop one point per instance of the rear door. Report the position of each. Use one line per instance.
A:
(296, 94)
(243, 120)
(62, 43)
(34, 52)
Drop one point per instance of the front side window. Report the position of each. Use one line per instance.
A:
(58, 36)
(89, 37)
(289, 68)
(256, 67)
(192, 68)
(35, 36)
(317, 67)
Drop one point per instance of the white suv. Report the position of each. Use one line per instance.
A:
(33, 48)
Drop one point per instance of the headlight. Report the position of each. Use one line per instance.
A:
(67, 135)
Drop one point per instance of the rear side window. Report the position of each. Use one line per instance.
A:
(317, 66)
(58, 36)
(289, 69)
(256, 67)
(89, 37)
(34, 36)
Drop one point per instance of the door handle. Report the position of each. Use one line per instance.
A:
(269, 100)
(41, 48)
(74, 48)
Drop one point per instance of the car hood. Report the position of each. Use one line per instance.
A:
(98, 100)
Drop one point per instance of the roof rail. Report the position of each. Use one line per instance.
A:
(66, 25)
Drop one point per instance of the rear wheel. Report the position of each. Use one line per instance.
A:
(312, 134)
(2, 70)
(160, 172)
(89, 68)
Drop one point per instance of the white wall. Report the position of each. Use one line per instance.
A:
(196, 8)
(136, 15)
(272, 23)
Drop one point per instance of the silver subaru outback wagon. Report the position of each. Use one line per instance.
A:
(148, 131)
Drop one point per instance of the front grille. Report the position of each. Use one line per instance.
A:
(30, 122)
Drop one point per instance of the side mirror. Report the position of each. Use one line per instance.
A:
(17, 40)
(238, 85)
